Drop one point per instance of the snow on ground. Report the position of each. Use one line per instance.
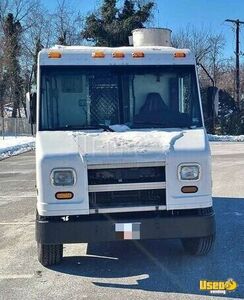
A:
(225, 138)
(11, 145)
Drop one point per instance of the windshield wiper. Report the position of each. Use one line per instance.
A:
(104, 127)
(150, 124)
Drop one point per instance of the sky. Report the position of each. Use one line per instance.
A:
(176, 14)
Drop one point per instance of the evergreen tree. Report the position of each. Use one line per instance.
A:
(11, 52)
(111, 26)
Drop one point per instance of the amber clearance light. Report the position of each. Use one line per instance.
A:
(54, 54)
(118, 54)
(138, 54)
(98, 54)
(64, 195)
(189, 189)
(179, 55)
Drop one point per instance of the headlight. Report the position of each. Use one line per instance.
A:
(189, 172)
(63, 177)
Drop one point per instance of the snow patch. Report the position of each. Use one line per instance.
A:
(129, 141)
(225, 138)
(119, 128)
(10, 145)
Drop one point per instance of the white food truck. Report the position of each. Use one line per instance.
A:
(121, 148)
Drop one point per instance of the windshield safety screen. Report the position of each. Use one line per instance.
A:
(140, 97)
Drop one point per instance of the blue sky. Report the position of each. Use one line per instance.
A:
(176, 14)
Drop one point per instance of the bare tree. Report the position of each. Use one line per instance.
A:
(35, 37)
(215, 61)
(67, 24)
(39, 28)
(22, 10)
(195, 39)
(2, 84)
(208, 49)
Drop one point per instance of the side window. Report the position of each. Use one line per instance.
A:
(187, 98)
(49, 101)
(184, 94)
(61, 100)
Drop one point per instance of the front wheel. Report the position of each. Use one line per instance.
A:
(49, 255)
(198, 246)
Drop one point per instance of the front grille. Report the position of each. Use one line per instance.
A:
(127, 198)
(126, 175)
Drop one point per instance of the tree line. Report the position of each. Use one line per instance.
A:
(26, 27)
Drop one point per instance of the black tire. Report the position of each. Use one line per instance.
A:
(198, 246)
(49, 255)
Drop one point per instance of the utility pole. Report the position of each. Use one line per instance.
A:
(237, 23)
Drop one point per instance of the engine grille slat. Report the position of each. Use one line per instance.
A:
(127, 187)
(127, 198)
(126, 175)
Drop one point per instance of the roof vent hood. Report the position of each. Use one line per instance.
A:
(151, 37)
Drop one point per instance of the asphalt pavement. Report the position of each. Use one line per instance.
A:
(120, 270)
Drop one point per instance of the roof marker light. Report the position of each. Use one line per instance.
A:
(118, 54)
(138, 54)
(54, 54)
(179, 55)
(98, 54)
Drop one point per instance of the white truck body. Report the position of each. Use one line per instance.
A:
(124, 148)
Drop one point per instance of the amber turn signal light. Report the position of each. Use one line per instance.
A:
(64, 195)
(54, 54)
(189, 189)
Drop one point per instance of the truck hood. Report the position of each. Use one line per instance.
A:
(118, 147)
(135, 146)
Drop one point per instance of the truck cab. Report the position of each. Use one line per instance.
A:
(121, 148)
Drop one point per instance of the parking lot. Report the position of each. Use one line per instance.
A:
(121, 270)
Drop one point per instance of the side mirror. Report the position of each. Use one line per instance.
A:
(31, 107)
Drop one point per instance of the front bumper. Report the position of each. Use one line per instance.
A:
(95, 228)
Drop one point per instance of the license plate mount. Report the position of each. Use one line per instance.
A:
(128, 231)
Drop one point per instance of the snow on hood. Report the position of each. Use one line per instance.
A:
(119, 128)
(104, 147)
